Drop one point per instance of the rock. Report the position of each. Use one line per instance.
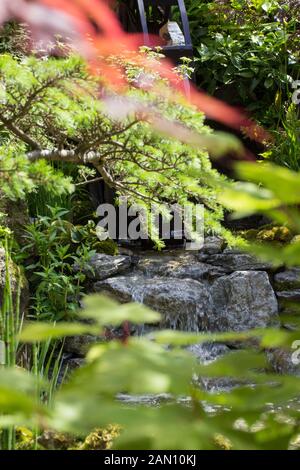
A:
(289, 295)
(17, 278)
(284, 361)
(121, 288)
(233, 251)
(184, 305)
(288, 302)
(74, 363)
(242, 301)
(69, 364)
(208, 352)
(53, 440)
(155, 264)
(172, 33)
(288, 279)
(79, 345)
(183, 267)
(213, 245)
(103, 266)
(231, 261)
(198, 271)
(280, 234)
(151, 266)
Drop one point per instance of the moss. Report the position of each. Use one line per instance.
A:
(222, 442)
(249, 234)
(53, 440)
(24, 439)
(108, 247)
(279, 234)
(268, 233)
(101, 439)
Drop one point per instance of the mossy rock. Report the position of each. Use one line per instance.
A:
(108, 247)
(277, 234)
(101, 439)
(53, 440)
(24, 439)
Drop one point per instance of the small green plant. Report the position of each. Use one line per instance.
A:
(247, 52)
(285, 150)
(54, 245)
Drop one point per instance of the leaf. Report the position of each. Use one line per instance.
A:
(288, 255)
(108, 312)
(247, 198)
(284, 183)
(139, 367)
(40, 331)
(17, 393)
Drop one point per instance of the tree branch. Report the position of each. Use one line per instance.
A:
(64, 155)
(19, 133)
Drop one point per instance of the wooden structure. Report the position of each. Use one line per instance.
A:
(151, 16)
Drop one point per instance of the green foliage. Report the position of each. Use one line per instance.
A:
(52, 106)
(285, 149)
(260, 412)
(68, 123)
(52, 245)
(273, 191)
(248, 50)
(88, 400)
(14, 39)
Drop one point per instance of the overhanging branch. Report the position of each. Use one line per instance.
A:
(64, 155)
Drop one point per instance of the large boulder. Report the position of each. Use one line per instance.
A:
(243, 300)
(184, 305)
(235, 302)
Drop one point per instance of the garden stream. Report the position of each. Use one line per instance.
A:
(216, 289)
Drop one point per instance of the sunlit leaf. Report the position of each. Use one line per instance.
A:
(43, 331)
(108, 312)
